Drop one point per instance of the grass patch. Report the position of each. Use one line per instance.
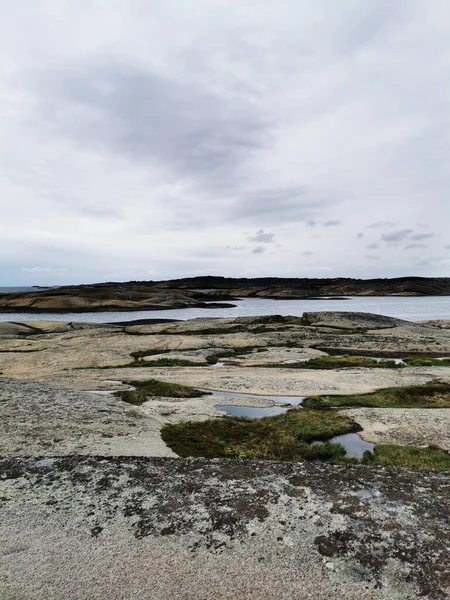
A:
(428, 395)
(421, 361)
(408, 456)
(159, 362)
(154, 387)
(338, 362)
(281, 437)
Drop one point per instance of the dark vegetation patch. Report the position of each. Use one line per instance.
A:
(142, 353)
(211, 359)
(280, 437)
(153, 387)
(421, 361)
(287, 437)
(337, 362)
(163, 362)
(408, 456)
(428, 395)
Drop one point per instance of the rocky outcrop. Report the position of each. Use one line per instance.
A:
(279, 287)
(351, 320)
(37, 416)
(101, 298)
(440, 323)
(209, 292)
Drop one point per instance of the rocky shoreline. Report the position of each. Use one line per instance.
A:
(85, 478)
(210, 292)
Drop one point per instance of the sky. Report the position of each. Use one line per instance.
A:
(147, 140)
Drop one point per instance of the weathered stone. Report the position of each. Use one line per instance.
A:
(93, 527)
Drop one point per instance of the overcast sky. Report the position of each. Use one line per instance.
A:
(150, 139)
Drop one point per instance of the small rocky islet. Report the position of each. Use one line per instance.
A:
(87, 479)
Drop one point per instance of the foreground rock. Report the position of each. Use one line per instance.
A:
(95, 528)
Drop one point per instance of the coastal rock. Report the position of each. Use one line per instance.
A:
(440, 323)
(284, 287)
(118, 527)
(36, 417)
(205, 292)
(351, 320)
(101, 298)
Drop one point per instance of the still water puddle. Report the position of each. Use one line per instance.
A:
(353, 444)
(251, 411)
(109, 392)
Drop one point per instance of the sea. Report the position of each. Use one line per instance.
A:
(410, 308)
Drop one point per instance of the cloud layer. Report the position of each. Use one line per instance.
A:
(145, 140)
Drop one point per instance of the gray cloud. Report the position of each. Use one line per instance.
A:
(396, 236)
(292, 204)
(381, 224)
(258, 250)
(447, 247)
(332, 223)
(411, 246)
(144, 114)
(425, 262)
(360, 235)
(263, 237)
(372, 246)
(307, 253)
(421, 236)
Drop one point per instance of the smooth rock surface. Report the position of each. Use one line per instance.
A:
(91, 528)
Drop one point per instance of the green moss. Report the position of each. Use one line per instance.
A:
(429, 395)
(154, 387)
(419, 361)
(281, 437)
(408, 456)
(337, 362)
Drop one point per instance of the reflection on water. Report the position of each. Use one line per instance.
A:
(354, 445)
(250, 411)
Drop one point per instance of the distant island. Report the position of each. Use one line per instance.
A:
(210, 292)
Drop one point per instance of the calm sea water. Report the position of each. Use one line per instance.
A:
(19, 289)
(409, 308)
